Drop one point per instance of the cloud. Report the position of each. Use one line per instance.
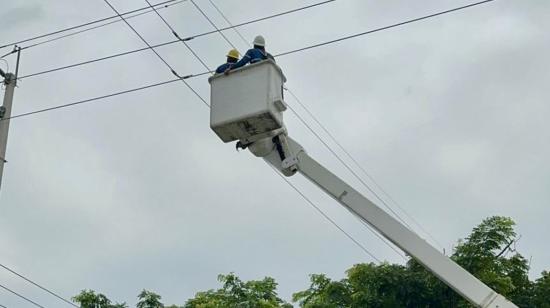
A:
(16, 16)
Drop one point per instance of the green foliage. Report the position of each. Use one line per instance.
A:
(236, 293)
(89, 299)
(324, 293)
(541, 291)
(148, 299)
(483, 253)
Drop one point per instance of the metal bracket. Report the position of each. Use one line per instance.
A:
(289, 162)
(342, 195)
(2, 112)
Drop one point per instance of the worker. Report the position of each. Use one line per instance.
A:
(254, 55)
(232, 58)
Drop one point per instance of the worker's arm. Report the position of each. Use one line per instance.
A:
(222, 68)
(244, 61)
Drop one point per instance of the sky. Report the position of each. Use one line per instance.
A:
(447, 115)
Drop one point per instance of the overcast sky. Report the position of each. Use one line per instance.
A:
(449, 115)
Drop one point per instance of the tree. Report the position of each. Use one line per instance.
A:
(323, 292)
(238, 294)
(484, 253)
(541, 291)
(89, 299)
(148, 299)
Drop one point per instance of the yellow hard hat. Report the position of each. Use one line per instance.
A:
(233, 53)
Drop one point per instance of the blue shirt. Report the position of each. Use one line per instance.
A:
(252, 56)
(222, 68)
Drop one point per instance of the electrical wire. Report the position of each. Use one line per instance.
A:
(179, 38)
(381, 29)
(21, 296)
(102, 25)
(103, 97)
(175, 41)
(37, 285)
(213, 25)
(392, 246)
(229, 22)
(9, 53)
(244, 40)
(348, 167)
(157, 54)
(81, 25)
(335, 140)
(361, 246)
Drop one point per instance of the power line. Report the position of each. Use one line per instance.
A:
(157, 54)
(103, 97)
(326, 216)
(381, 29)
(21, 296)
(228, 22)
(37, 285)
(348, 167)
(141, 38)
(213, 24)
(351, 170)
(102, 25)
(81, 25)
(175, 41)
(179, 38)
(323, 127)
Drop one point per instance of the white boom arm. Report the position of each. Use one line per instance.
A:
(460, 280)
(247, 105)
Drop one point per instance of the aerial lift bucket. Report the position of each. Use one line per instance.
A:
(247, 105)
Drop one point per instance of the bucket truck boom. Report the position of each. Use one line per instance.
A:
(247, 106)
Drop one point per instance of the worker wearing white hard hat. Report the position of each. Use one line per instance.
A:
(255, 54)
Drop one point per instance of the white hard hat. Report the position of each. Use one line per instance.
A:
(259, 41)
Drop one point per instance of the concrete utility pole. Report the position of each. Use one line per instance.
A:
(10, 81)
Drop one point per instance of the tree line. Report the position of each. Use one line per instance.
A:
(488, 253)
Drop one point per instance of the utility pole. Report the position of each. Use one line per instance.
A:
(10, 81)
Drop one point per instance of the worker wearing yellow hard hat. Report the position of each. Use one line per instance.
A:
(232, 58)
